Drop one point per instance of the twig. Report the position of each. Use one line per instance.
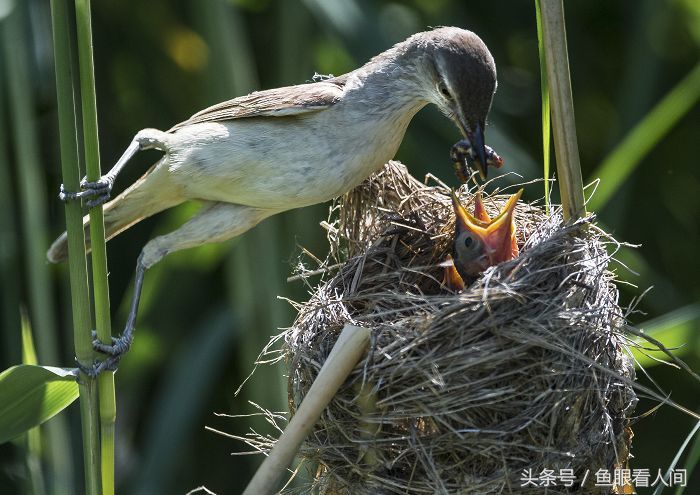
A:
(345, 354)
(312, 273)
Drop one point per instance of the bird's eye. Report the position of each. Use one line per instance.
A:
(444, 91)
(468, 247)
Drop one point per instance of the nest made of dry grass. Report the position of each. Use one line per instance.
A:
(525, 370)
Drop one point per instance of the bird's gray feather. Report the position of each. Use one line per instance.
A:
(278, 102)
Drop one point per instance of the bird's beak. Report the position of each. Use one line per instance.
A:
(477, 140)
(450, 276)
(497, 234)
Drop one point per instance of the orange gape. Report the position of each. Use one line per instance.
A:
(480, 241)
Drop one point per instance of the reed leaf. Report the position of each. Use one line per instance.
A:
(622, 161)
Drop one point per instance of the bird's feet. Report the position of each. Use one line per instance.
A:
(95, 193)
(465, 159)
(98, 367)
(118, 347)
(113, 352)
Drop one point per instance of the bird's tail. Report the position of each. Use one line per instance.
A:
(152, 193)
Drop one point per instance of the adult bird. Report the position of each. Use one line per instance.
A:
(270, 151)
(480, 241)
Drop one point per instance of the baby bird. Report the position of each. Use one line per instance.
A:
(480, 241)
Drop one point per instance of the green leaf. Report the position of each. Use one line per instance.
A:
(677, 330)
(693, 459)
(30, 395)
(674, 462)
(622, 161)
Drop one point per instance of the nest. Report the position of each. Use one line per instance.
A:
(524, 372)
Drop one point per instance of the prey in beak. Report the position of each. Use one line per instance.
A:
(477, 139)
(480, 241)
(467, 156)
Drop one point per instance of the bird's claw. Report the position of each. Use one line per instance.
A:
(96, 192)
(114, 352)
(118, 347)
(97, 367)
(99, 190)
(97, 342)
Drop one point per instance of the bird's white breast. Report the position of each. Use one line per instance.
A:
(284, 162)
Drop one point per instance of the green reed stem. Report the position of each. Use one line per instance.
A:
(562, 105)
(544, 92)
(97, 236)
(77, 261)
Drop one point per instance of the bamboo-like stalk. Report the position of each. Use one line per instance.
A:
(561, 101)
(97, 236)
(77, 261)
(347, 351)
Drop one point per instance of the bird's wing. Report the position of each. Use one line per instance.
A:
(279, 102)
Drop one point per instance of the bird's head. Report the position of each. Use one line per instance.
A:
(481, 241)
(462, 82)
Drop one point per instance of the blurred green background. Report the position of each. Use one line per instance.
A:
(206, 313)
